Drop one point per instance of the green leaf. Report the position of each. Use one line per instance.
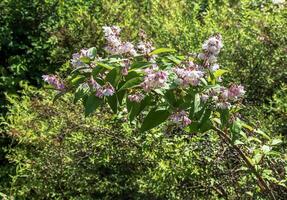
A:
(196, 103)
(235, 130)
(206, 126)
(113, 102)
(170, 97)
(154, 118)
(91, 104)
(78, 79)
(194, 127)
(224, 116)
(265, 149)
(135, 108)
(138, 65)
(80, 93)
(96, 71)
(219, 72)
(131, 83)
(238, 142)
(276, 142)
(162, 50)
(92, 52)
(113, 77)
(104, 66)
(85, 60)
(121, 95)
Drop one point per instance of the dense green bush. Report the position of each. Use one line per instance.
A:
(60, 154)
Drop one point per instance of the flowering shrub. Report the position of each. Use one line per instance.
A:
(181, 89)
(156, 86)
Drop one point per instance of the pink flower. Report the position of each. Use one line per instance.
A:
(94, 83)
(154, 80)
(180, 118)
(106, 90)
(188, 76)
(137, 97)
(236, 91)
(54, 81)
(213, 45)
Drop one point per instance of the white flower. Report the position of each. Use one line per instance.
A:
(278, 2)
(214, 67)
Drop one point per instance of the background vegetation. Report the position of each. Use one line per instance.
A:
(80, 156)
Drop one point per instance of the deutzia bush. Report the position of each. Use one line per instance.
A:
(156, 86)
(154, 83)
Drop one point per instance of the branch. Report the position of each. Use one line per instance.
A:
(261, 182)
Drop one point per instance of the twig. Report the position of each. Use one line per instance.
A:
(261, 182)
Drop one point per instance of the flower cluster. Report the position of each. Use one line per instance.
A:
(76, 60)
(154, 79)
(211, 49)
(179, 77)
(136, 97)
(223, 96)
(125, 67)
(106, 90)
(188, 75)
(115, 45)
(145, 47)
(54, 81)
(180, 118)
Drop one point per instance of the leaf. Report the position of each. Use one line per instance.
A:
(170, 97)
(131, 83)
(91, 104)
(92, 52)
(266, 136)
(162, 50)
(224, 116)
(174, 59)
(78, 79)
(238, 142)
(193, 127)
(113, 77)
(80, 93)
(136, 108)
(276, 142)
(219, 72)
(236, 127)
(196, 103)
(235, 130)
(104, 66)
(113, 102)
(85, 60)
(247, 127)
(96, 71)
(206, 126)
(154, 118)
(265, 149)
(138, 65)
(121, 95)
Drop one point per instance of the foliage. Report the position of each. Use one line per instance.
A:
(37, 37)
(61, 154)
(157, 86)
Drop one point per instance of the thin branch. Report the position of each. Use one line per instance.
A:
(261, 182)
